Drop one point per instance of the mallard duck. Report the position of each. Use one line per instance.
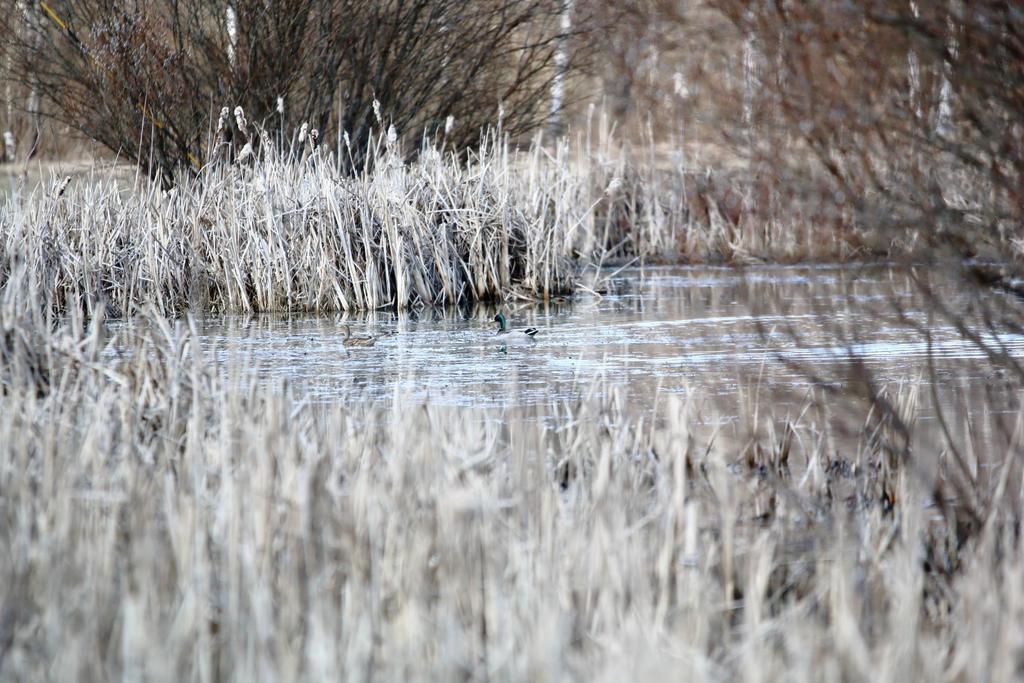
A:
(507, 335)
(357, 341)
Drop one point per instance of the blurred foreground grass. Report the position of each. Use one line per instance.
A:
(161, 524)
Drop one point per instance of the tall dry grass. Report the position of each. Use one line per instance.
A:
(160, 524)
(287, 230)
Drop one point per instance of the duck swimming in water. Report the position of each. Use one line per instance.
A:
(357, 341)
(504, 334)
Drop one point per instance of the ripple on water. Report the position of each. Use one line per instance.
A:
(676, 330)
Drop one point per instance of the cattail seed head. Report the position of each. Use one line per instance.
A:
(392, 136)
(224, 114)
(58, 190)
(448, 124)
(302, 132)
(240, 120)
(9, 146)
(613, 187)
(245, 153)
(679, 85)
(348, 142)
(280, 105)
(376, 111)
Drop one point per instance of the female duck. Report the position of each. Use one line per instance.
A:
(506, 335)
(357, 341)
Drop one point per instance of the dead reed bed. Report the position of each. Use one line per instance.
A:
(276, 231)
(159, 524)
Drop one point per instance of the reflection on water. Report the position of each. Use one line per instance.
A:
(706, 331)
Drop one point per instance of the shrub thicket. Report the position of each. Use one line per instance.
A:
(147, 80)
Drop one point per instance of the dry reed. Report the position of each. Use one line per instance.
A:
(275, 231)
(160, 524)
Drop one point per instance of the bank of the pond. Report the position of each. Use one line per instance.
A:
(292, 233)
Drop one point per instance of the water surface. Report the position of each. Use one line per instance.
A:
(770, 334)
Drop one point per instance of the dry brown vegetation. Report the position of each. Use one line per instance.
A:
(199, 532)
(160, 522)
(163, 67)
(887, 116)
(293, 231)
(893, 116)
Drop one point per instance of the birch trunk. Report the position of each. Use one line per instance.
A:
(555, 124)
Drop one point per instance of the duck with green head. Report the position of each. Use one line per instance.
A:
(507, 335)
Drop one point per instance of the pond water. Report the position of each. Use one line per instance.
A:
(773, 332)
